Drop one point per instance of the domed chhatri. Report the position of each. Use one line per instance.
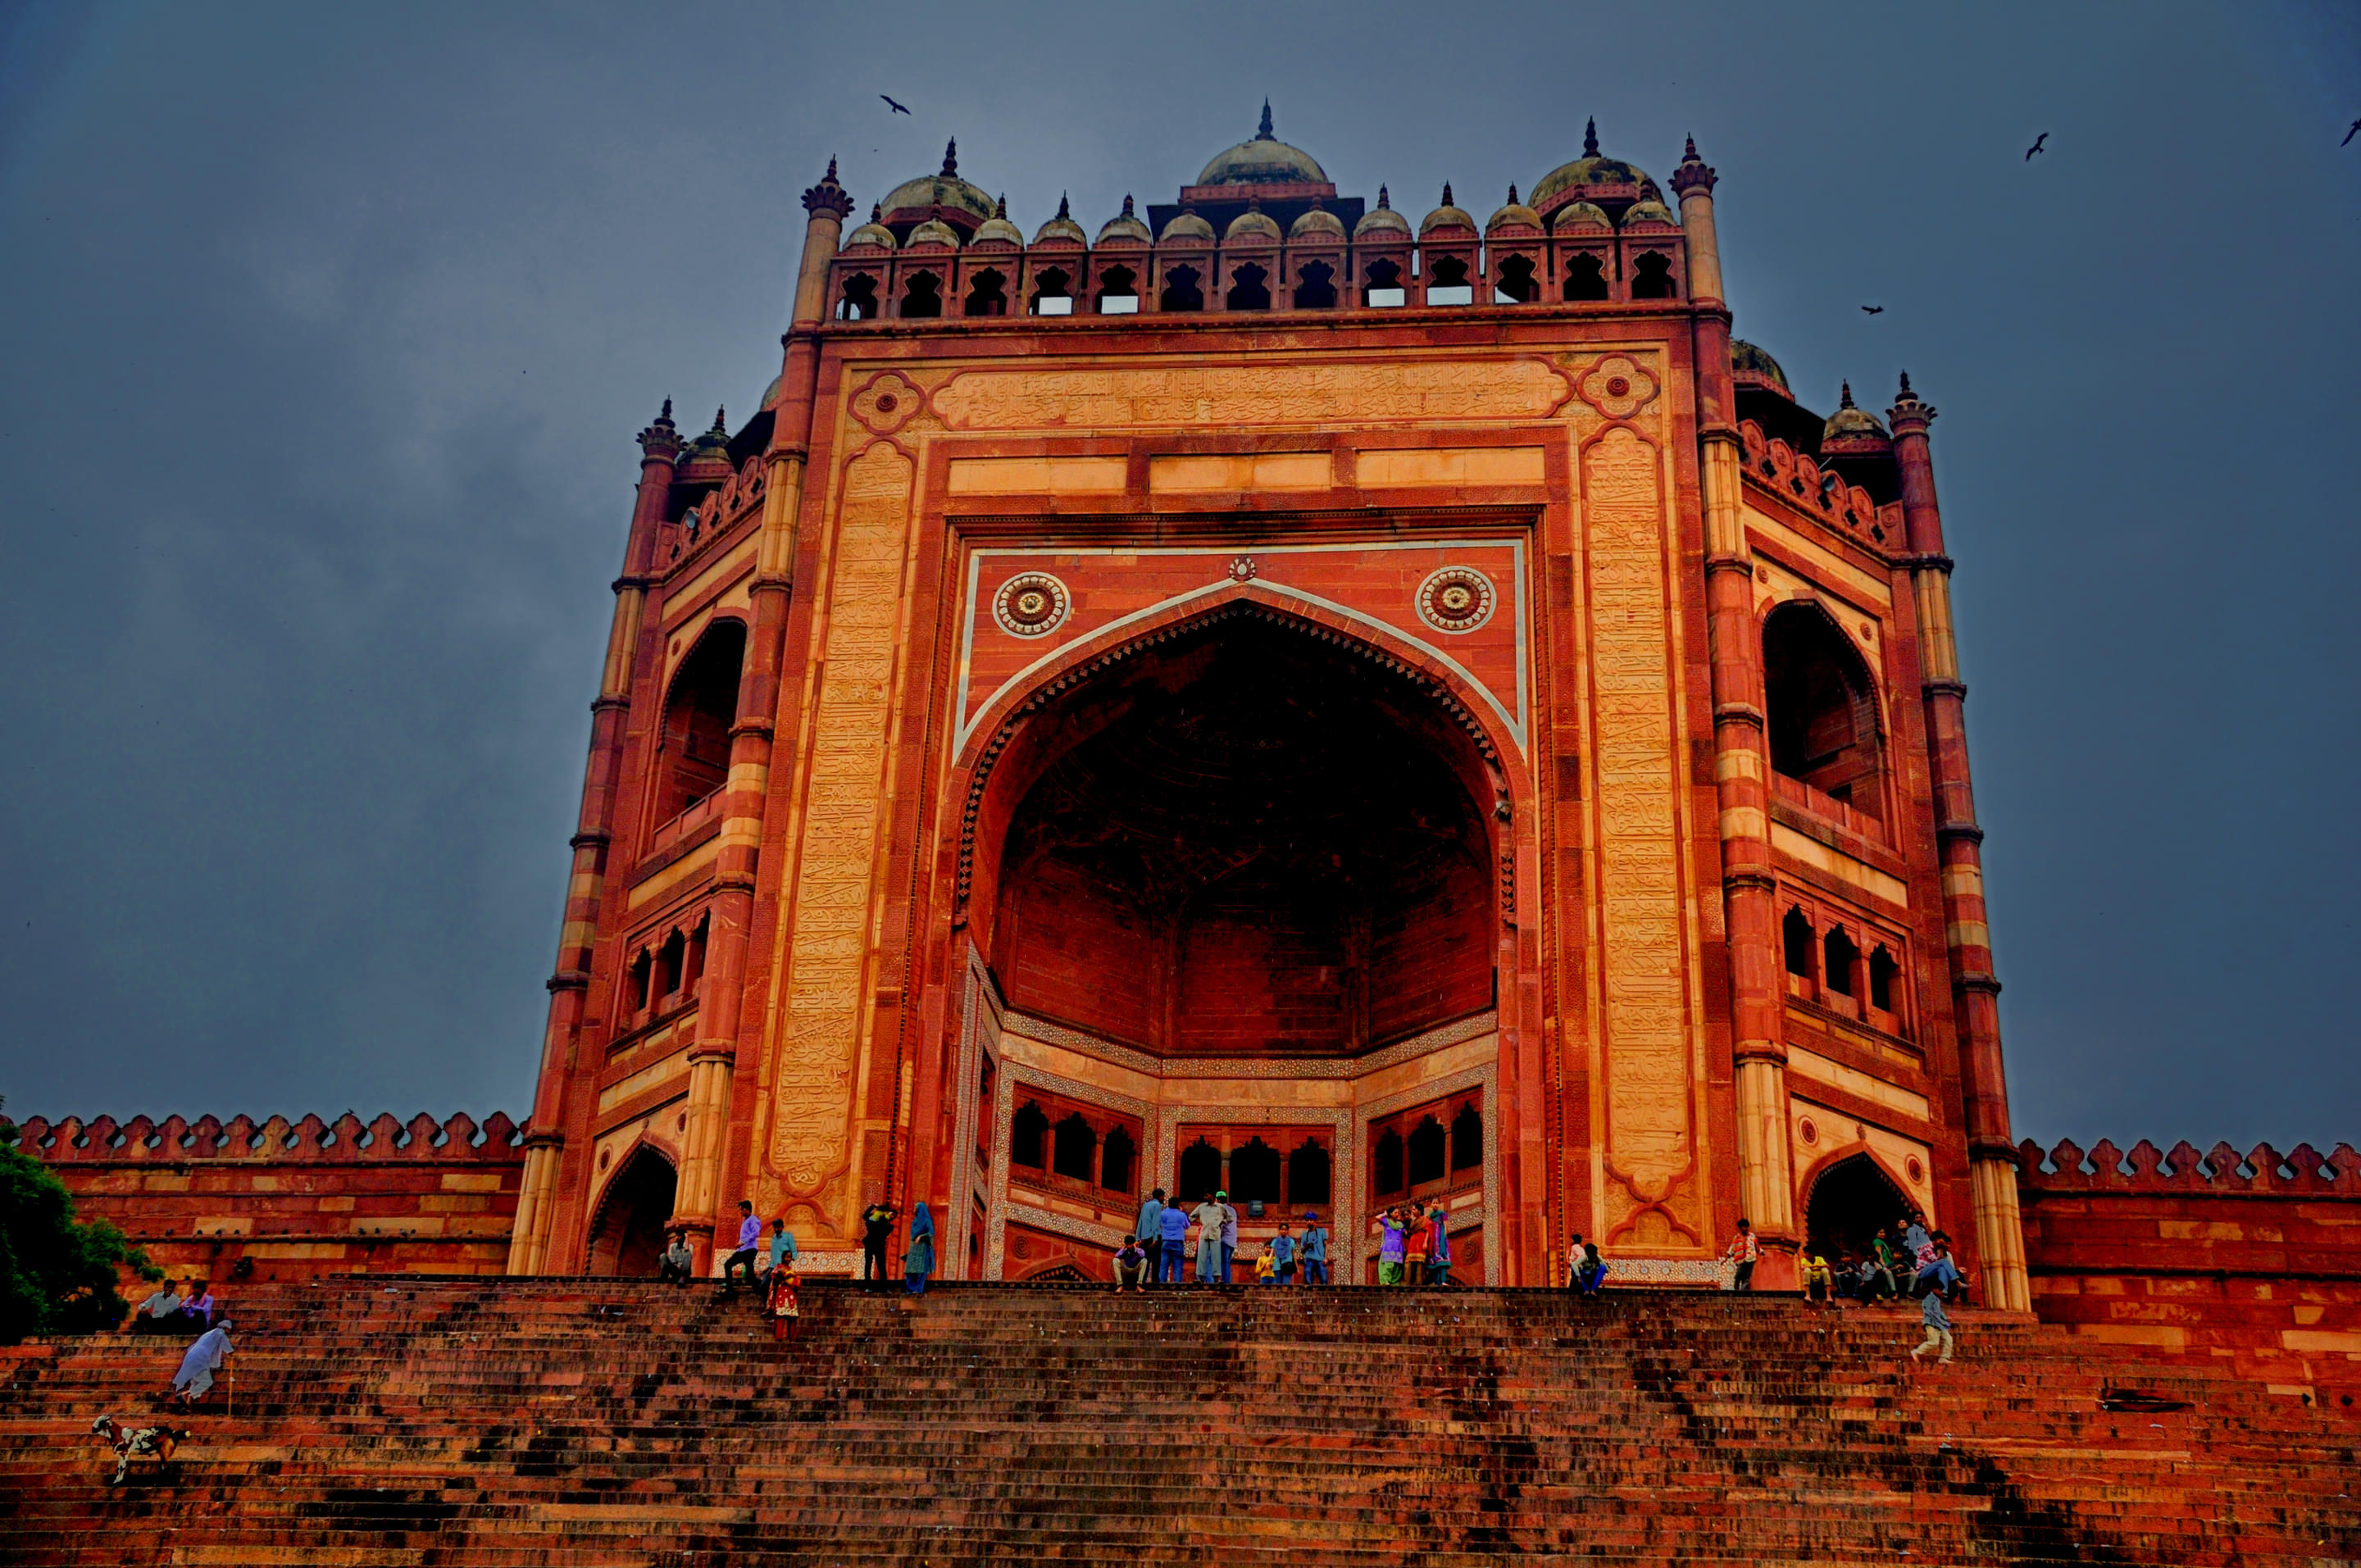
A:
(1446, 217)
(1607, 183)
(1187, 225)
(873, 232)
(998, 228)
(1252, 224)
(1060, 228)
(1750, 365)
(1316, 220)
(934, 231)
(1264, 161)
(1852, 429)
(942, 195)
(1382, 219)
(1125, 226)
(1513, 214)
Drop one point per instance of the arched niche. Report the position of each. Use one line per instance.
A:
(627, 1231)
(1242, 838)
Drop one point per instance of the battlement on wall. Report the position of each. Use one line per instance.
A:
(2221, 1169)
(103, 1140)
(2250, 1260)
(281, 1200)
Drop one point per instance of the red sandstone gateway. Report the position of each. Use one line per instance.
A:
(1273, 699)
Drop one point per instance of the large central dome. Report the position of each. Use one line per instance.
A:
(1265, 161)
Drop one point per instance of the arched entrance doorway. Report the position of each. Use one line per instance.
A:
(1244, 840)
(627, 1236)
(1851, 1202)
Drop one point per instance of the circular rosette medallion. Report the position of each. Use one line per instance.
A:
(1031, 604)
(1455, 599)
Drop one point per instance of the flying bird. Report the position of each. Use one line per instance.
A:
(2037, 145)
(2351, 134)
(893, 106)
(1872, 310)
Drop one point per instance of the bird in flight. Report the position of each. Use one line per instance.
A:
(1872, 310)
(2037, 145)
(2351, 134)
(893, 106)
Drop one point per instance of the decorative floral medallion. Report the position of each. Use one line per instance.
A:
(886, 404)
(1455, 599)
(1617, 387)
(1805, 1131)
(1031, 604)
(1243, 569)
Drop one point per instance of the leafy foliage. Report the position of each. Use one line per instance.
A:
(57, 1275)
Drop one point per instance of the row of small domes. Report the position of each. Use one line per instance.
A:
(1265, 161)
(1186, 224)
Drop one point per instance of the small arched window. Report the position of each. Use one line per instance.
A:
(1822, 709)
(671, 965)
(1180, 290)
(1115, 1161)
(859, 301)
(693, 758)
(1882, 971)
(1075, 1144)
(922, 296)
(636, 988)
(1199, 1171)
(1516, 285)
(1427, 1152)
(696, 970)
(987, 294)
(1053, 292)
(1795, 936)
(1446, 282)
(1249, 290)
(1254, 1173)
(1028, 1131)
(1118, 291)
(1837, 955)
(1315, 287)
(1586, 279)
(1386, 1162)
(1467, 1138)
(1308, 1174)
(1652, 278)
(1382, 284)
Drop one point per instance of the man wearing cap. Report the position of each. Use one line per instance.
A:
(1312, 1249)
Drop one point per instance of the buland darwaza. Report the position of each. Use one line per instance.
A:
(1278, 697)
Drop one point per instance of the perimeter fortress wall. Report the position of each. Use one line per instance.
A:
(295, 1199)
(2252, 1259)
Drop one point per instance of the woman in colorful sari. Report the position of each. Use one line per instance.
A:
(195, 1378)
(919, 1260)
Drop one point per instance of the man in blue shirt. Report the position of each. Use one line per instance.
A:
(1313, 1249)
(749, 1236)
(1174, 1225)
(782, 1243)
(1150, 1231)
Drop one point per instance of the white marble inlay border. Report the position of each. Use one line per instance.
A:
(963, 725)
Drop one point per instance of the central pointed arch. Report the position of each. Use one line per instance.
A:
(1242, 833)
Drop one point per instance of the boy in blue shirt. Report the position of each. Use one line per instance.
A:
(1174, 1225)
(1313, 1249)
(1282, 1257)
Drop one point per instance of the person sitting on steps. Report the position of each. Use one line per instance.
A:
(1130, 1265)
(160, 1313)
(677, 1262)
(1592, 1271)
(749, 1236)
(1820, 1279)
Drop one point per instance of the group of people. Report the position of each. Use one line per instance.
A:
(769, 1265)
(1414, 1249)
(188, 1308)
(1160, 1245)
(1904, 1259)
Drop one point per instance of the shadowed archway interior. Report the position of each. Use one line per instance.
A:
(1851, 1201)
(627, 1237)
(1244, 841)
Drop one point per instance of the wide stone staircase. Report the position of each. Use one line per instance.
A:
(467, 1421)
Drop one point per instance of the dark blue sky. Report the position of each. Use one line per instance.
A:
(327, 330)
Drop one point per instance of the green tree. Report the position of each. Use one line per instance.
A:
(57, 1275)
